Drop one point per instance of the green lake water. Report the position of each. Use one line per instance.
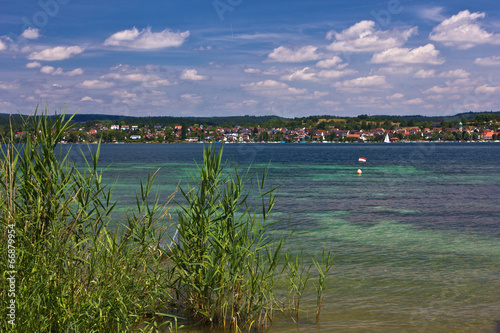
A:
(416, 237)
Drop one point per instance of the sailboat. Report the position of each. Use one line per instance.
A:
(387, 140)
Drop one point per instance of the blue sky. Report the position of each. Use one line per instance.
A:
(240, 57)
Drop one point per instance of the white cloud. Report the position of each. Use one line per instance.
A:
(90, 99)
(415, 101)
(3, 46)
(56, 53)
(314, 95)
(284, 54)
(449, 89)
(149, 76)
(362, 83)
(8, 85)
(123, 93)
(192, 74)
(462, 32)
(300, 75)
(330, 104)
(335, 74)
(432, 13)
(59, 71)
(425, 74)
(363, 37)
(272, 88)
(395, 70)
(487, 90)
(193, 98)
(328, 63)
(395, 96)
(366, 101)
(457, 73)
(76, 71)
(96, 84)
(421, 55)
(31, 33)
(488, 61)
(47, 69)
(145, 39)
(252, 70)
(34, 64)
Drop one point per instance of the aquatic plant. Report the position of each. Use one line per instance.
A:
(72, 270)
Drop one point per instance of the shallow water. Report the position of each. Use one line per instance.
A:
(416, 237)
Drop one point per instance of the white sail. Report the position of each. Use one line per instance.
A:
(386, 140)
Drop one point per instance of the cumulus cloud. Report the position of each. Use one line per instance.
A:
(284, 54)
(366, 101)
(421, 55)
(425, 74)
(252, 70)
(328, 63)
(3, 46)
(47, 69)
(272, 88)
(395, 96)
(487, 90)
(31, 33)
(363, 37)
(34, 64)
(149, 76)
(90, 99)
(362, 83)
(8, 85)
(59, 71)
(192, 74)
(56, 53)
(96, 84)
(415, 101)
(457, 73)
(395, 70)
(447, 90)
(193, 98)
(300, 75)
(488, 61)
(431, 13)
(335, 74)
(76, 71)
(462, 31)
(146, 39)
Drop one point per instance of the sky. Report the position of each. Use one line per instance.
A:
(289, 58)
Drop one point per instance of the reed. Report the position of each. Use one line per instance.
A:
(227, 258)
(76, 272)
(323, 268)
(73, 273)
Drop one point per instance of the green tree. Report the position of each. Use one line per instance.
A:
(264, 136)
(184, 131)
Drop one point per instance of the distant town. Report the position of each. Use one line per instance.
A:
(480, 127)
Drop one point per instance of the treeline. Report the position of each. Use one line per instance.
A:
(365, 122)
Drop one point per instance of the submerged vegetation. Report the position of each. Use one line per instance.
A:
(70, 271)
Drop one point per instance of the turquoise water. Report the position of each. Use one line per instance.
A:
(416, 237)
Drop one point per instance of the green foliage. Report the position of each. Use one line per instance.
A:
(72, 272)
(225, 264)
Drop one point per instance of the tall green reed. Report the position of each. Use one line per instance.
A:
(226, 258)
(73, 272)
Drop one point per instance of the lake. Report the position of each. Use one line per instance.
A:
(416, 236)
